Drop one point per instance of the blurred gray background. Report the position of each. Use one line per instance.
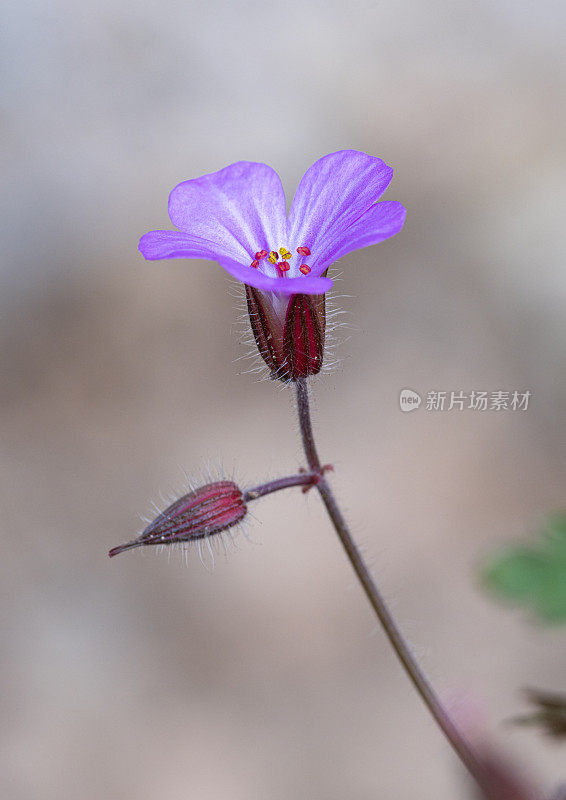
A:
(143, 678)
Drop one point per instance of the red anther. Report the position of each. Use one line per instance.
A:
(260, 254)
(255, 264)
(305, 269)
(303, 251)
(284, 266)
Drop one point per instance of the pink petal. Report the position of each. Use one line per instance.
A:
(240, 209)
(286, 286)
(379, 222)
(332, 194)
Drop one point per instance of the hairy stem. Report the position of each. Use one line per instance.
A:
(458, 741)
(302, 479)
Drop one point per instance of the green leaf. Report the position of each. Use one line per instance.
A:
(534, 575)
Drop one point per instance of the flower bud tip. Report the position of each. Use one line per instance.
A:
(122, 547)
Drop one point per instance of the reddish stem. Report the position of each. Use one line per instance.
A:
(305, 479)
(456, 738)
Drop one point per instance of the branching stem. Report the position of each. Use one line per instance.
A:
(304, 479)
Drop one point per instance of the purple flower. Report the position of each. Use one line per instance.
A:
(237, 216)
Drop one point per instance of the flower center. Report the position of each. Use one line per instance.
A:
(283, 266)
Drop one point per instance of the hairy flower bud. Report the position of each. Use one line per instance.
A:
(205, 511)
(289, 332)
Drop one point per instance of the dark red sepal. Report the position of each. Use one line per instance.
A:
(304, 335)
(293, 346)
(265, 330)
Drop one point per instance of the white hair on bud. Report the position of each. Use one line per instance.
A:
(219, 543)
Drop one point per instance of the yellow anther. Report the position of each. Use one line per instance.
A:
(272, 257)
(285, 253)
